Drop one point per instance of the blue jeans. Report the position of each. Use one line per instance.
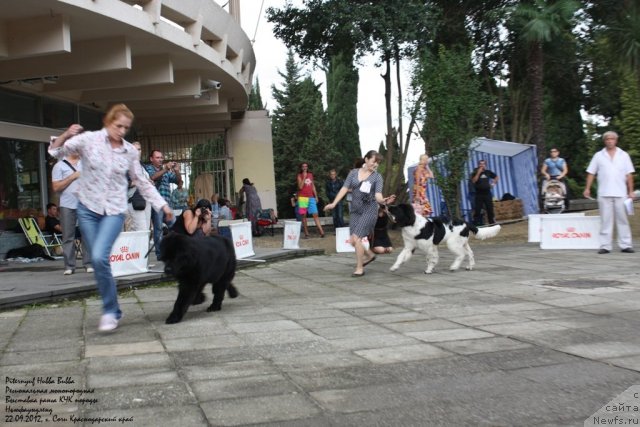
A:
(337, 215)
(100, 232)
(157, 219)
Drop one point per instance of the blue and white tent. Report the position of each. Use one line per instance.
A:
(515, 164)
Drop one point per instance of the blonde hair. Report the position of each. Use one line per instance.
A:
(115, 111)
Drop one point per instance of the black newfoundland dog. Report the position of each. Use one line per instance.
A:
(196, 261)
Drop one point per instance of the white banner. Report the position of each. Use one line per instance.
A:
(242, 239)
(562, 232)
(343, 240)
(291, 235)
(535, 228)
(128, 253)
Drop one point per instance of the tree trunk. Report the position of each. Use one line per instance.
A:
(537, 94)
(396, 180)
(387, 103)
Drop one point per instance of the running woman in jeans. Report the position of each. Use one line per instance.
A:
(102, 194)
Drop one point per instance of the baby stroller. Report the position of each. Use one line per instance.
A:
(554, 193)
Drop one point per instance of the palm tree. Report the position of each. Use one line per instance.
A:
(625, 37)
(539, 22)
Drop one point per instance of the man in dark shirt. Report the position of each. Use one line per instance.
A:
(51, 221)
(483, 180)
(333, 186)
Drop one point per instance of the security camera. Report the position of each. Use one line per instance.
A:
(212, 84)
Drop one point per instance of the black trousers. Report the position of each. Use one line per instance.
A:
(485, 201)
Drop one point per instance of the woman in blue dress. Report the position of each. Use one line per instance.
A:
(365, 185)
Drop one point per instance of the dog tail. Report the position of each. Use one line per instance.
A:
(486, 232)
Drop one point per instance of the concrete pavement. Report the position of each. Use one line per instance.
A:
(530, 337)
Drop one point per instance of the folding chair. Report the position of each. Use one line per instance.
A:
(266, 219)
(48, 241)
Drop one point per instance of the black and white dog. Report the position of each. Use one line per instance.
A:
(427, 233)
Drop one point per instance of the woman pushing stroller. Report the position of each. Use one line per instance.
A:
(554, 188)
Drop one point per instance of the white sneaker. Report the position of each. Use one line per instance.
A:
(90, 270)
(68, 272)
(108, 322)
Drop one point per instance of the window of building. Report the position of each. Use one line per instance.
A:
(90, 119)
(18, 107)
(56, 114)
(20, 192)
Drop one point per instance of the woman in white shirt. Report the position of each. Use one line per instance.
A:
(102, 194)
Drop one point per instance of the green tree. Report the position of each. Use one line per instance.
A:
(342, 112)
(255, 99)
(562, 104)
(318, 149)
(390, 30)
(452, 105)
(629, 119)
(299, 133)
(286, 132)
(538, 23)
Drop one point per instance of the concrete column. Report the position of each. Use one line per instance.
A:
(234, 10)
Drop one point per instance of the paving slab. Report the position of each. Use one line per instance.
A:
(511, 343)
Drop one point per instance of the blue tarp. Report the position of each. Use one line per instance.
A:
(515, 164)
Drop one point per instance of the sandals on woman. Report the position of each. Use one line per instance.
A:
(373, 258)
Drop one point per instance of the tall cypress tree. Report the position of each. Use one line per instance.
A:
(342, 111)
(255, 99)
(299, 133)
(285, 132)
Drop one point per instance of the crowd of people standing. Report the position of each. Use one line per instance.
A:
(101, 181)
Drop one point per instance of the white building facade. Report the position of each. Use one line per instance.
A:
(184, 67)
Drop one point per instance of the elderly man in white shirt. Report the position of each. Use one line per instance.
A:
(615, 171)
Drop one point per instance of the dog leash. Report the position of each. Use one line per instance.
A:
(389, 215)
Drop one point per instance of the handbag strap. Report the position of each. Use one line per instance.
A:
(69, 164)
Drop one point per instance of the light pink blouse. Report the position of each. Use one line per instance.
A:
(102, 186)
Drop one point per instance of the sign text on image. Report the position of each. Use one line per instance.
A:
(560, 232)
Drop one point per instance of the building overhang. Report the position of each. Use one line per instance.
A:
(177, 64)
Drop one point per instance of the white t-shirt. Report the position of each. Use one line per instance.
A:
(612, 172)
(60, 171)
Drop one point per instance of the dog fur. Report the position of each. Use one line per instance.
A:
(427, 233)
(194, 262)
(30, 251)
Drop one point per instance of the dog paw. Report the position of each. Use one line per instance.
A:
(233, 292)
(393, 268)
(469, 268)
(173, 318)
(214, 308)
(428, 271)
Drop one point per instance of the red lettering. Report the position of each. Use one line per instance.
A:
(574, 235)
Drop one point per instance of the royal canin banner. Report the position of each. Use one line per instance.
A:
(561, 232)
(242, 239)
(535, 228)
(128, 253)
(291, 235)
